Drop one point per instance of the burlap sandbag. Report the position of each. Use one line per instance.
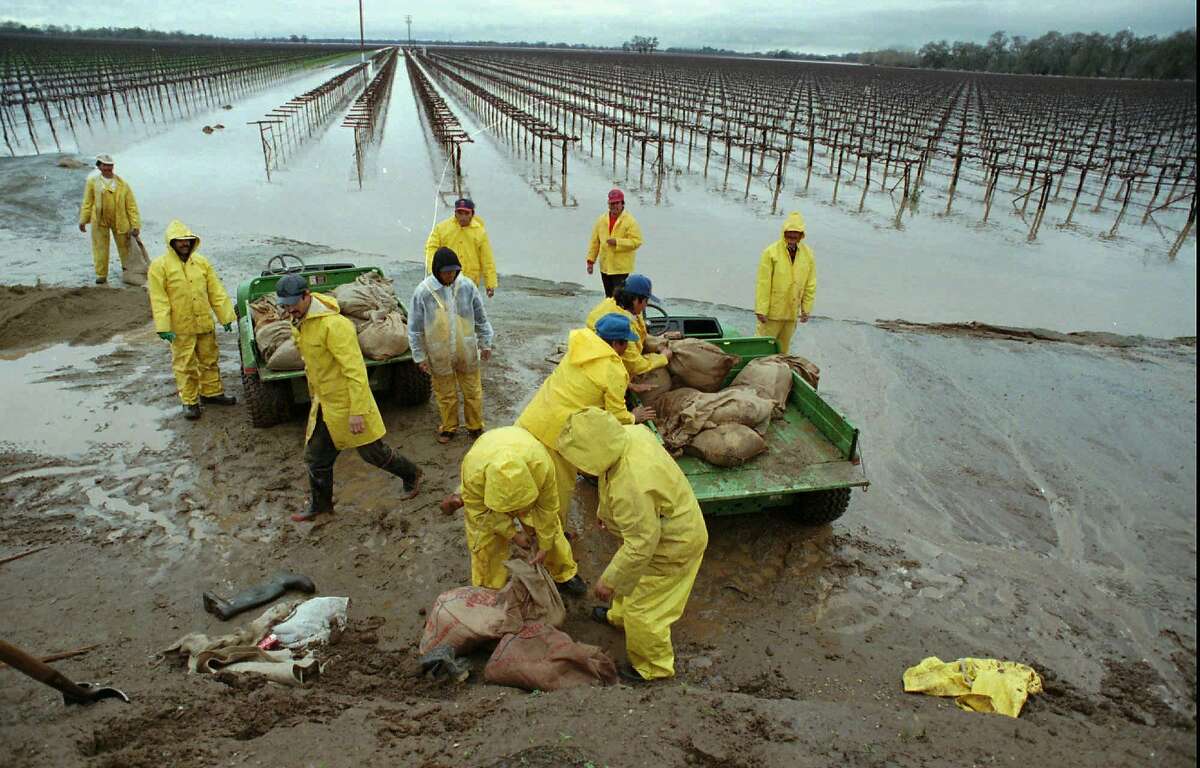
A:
(530, 595)
(807, 369)
(271, 335)
(264, 310)
(770, 377)
(369, 292)
(727, 445)
(699, 364)
(136, 263)
(384, 336)
(736, 405)
(542, 658)
(660, 381)
(286, 357)
(670, 403)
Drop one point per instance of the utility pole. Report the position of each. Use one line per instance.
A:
(362, 48)
(408, 21)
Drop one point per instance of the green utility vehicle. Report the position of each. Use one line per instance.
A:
(271, 395)
(813, 459)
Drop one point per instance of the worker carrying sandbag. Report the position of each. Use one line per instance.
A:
(343, 412)
(508, 476)
(185, 292)
(591, 374)
(465, 234)
(646, 501)
(615, 240)
(110, 207)
(449, 333)
(648, 352)
(787, 284)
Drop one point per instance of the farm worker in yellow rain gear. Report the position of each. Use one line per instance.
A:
(646, 501)
(343, 412)
(630, 299)
(449, 333)
(616, 237)
(590, 374)
(787, 284)
(109, 206)
(508, 476)
(465, 234)
(185, 292)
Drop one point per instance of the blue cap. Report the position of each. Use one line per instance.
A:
(639, 285)
(615, 327)
(290, 289)
(464, 204)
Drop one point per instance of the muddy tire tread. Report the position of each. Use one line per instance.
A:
(409, 385)
(821, 507)
(263, 401)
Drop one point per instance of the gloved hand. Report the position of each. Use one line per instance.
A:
(166, 336)
(227, 326)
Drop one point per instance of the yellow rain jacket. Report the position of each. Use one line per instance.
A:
(786, 287)
(337, 375)
(470, 244)
(615, 260)
(185, 294)
(636, 363)
(978, 685)
(647, 502)
(590, 374)
(123, 217)
(508, 474)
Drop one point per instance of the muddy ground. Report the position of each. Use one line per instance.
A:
(1031, 499)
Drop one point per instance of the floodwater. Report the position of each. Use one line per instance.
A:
(702, 239)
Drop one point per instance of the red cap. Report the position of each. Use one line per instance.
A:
(616, 196)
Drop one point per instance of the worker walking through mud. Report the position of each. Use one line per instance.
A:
(110, 207)
(646, 501)
(616, 238)
(590, 374)
(449, 334)
(185, 292)
(508, 476)
(343, 412)
(648, 352)
(464, 233)
(787, 284)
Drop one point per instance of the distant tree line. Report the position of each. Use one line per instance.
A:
(1076, 54)
(122, 33)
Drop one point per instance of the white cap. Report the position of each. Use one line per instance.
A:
(104, 158)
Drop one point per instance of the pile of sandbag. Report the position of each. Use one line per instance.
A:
(699, 364)
(522, 616)
(370, 303)
(273, 334)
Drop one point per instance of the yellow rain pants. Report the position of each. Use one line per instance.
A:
(445, 391)
(101, 236)
(113, 219)
(194, 360)
(781, 330)
(978, 685)
(646, 501)
(508, 475)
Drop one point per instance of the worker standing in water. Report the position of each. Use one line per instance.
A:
(184, 293)
(465, 234)
(616, 238)
(786, 285)
(110, 207)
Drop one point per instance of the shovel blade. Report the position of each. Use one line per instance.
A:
(95, 693)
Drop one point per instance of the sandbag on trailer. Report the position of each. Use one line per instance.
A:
(659, 381)
(770, 377)
(699, 364)
(736, 405)
(383, 336)
(369, 293)
(727, 445)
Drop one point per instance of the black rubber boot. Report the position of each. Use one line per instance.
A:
(599, 614)
(191, 412)
(320, 497)
(574, 586)
(629, 675)
(218, 399)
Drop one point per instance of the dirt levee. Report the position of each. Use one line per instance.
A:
(34, 315)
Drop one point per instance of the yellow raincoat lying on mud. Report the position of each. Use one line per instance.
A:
(615, 259)
(470, 244)
(646, 501)
(978, 685)
(636, 362)
(110, 207)
(786, 287)
(590, 374)
(337, 375)
(508, 474)
(183, 297)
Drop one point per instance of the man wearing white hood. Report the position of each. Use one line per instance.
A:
(109, 206)
(449, 333)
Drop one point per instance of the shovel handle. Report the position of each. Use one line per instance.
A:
(42, 672)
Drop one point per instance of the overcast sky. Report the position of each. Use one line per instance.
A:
(815, 26)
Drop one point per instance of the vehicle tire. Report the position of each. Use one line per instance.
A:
(821, 507)
(410, 386)
(269, 403)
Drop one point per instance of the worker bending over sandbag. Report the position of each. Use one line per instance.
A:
(648, 352)
(647, 502)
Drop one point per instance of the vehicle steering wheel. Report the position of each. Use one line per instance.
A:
(283, 258)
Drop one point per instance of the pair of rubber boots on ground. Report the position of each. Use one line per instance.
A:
(193, 411)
